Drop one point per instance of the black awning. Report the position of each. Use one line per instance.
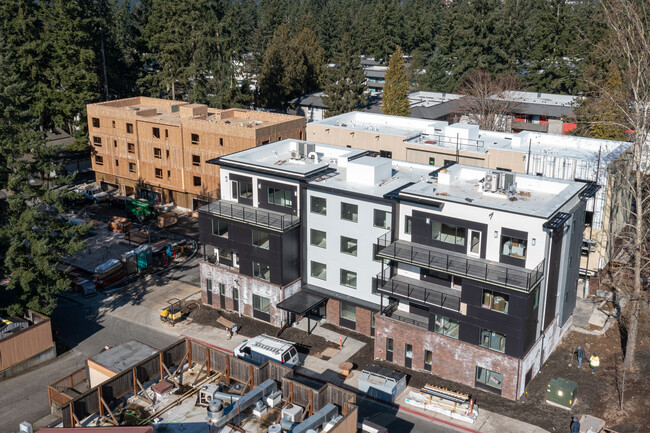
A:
(302, 302)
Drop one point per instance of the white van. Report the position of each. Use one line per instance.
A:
(263, 347)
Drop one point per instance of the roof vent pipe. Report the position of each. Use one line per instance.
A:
(314, 156)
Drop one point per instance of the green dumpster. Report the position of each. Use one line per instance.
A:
(561, 392)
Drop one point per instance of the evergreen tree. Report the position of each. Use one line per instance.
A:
(395, 98)
(437, 76)
(345, 86)
(386, 28)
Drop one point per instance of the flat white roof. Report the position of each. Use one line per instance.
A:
(429, 99)
(534, 196)
(538, 98)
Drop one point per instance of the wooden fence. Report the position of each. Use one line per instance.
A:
(56, 391)
(27, 343)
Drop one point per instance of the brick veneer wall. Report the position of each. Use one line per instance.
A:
(363, 322)
(452, 359)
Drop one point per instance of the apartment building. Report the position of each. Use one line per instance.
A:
(157, 149)
(466, 272)
(546, 155)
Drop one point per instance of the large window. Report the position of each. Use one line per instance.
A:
(408, 224)
(129, 128)
(225, 255)
(489, 377)
(196, 160)
(349, 212)
(246, 190)
(382, 218)
(445, 326)
(97, 141)
(318, 205)
(348, 246)
(348, 312)
(495, 301)
(95, 122)
(220, 228)
(280, 197)
(195, 138)
(389, 345)
(196, 180)
(513, 247)
(99, 160)
(261, 271)
(492, 340)
(261, 304)
(348, 279)
(428, 359)
(158, 173)
(261, 239)
(319, 270)
(318, 238)
(447, 233)
(157, 153)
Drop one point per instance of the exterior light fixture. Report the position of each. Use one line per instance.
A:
(496, 234)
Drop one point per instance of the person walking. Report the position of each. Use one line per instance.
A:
(594, 362)
(575, 425)
(580, 353)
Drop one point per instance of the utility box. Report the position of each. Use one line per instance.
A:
(561, 392)
(382, 383)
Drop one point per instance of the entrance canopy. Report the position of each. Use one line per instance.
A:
(302, 302)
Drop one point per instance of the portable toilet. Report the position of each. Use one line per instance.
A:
(130, 262)
(561, 392)
(141, 254)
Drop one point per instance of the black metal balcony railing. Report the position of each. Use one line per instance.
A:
(457, 264)
(401, 286)
(252, 215)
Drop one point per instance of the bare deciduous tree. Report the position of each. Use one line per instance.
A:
(628, 48)
(488, 102)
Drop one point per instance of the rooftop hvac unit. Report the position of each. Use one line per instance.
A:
(491, 183)
(509, 182)
(301, 148)
(296, 154)
(311, 147)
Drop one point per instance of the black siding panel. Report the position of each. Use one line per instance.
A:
(553, 275)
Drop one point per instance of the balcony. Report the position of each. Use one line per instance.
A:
(403, 316)
(251, 215)
(419, 291)
(511, 277)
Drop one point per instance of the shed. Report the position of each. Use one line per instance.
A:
(113, 361)
(382, 383)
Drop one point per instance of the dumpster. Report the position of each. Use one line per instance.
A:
(382, 383)
(561, 392)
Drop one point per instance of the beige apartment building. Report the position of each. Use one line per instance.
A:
(159, 149)
(438, 143)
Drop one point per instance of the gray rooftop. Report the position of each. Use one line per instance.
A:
(126, 355)
(535, 196)
(99, 249)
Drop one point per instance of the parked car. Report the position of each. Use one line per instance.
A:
(263, 347)
(92, 192)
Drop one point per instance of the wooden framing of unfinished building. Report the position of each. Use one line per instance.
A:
(157, 148)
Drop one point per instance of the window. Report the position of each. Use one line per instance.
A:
(99, 160)
(348, 312)
(261, 304)
(495, 301)
(130, 147)
(408, 351)
(503, 169)
(389, 345)
(246, 190)
(95, 122)
(447, 233)
(113, 124)
(348, 246)
(445, 326)
(261, 271)
(385, 154)
(318, 205)
(319, 270)
(208, 284)
(222, 289)
(97, 141)
(114, 143)
(117, 163)
(224, 255)
(349, 212)
(474, 243)
(374, 287)
(157, 153)
(131, 167)
(220, 228)
(432, 160)
(280, 197)
(348, 279)
(159, 173)
(129, 128)
(261, 239)
(197, 180)
(536, 299)
(196, 160)
(167, 153)
(513, 247)
(318, 238)
(166, 133)
(489, 378)
(195, 138)
(382, 219)
(156, 132)
(169, 174)
(428, 360)
(450, 161)
(408, 224)
(492, 340)
(220, 141)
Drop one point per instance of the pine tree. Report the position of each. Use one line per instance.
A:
(395, 98)
(386, 28)
(437, 76)
(345, 86)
